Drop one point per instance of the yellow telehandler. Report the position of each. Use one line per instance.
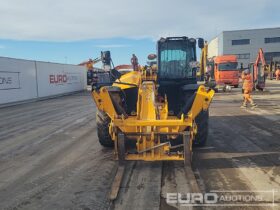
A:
(156, 112)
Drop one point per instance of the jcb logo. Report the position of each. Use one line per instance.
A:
(58, 79)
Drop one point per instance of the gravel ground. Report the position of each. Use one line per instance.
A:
(50, 157)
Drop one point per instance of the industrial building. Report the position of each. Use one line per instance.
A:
(246, 43)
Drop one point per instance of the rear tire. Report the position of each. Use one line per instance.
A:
(202, 129)
(102, 122)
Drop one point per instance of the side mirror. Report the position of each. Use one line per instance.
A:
(200, 43)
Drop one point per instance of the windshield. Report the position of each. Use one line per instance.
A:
(228, 66)
(175, 60)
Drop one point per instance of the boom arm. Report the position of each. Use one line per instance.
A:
(260, 57)
(94, 61)
(203, 59)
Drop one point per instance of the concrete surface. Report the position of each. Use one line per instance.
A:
(50, 157)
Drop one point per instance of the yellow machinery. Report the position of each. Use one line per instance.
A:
(203, 60)
(158, 111)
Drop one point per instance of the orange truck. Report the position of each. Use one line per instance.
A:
(226, 71)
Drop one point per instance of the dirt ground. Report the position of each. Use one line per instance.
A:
(50, 157)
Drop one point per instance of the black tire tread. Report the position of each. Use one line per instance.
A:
(102, 122)
(202, 128)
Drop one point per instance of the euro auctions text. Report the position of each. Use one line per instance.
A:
(223, 198)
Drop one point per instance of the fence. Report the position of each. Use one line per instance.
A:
(22, 80)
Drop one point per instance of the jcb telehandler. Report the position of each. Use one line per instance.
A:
(156, 112)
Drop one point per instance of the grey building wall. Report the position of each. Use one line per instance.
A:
(248, 52)
(220, 44)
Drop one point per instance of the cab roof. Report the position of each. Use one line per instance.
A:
(225, 58)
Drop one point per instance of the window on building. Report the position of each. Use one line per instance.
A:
(272, 40)
(271, 56)
(240, 41)
(243, 56)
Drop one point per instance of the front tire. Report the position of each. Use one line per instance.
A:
(102, 123)
(202, 129)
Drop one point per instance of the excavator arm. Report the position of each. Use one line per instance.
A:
(203, 59)
(259, 71)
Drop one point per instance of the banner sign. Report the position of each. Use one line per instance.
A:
(9, 80)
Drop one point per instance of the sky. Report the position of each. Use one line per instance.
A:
(71, 31)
